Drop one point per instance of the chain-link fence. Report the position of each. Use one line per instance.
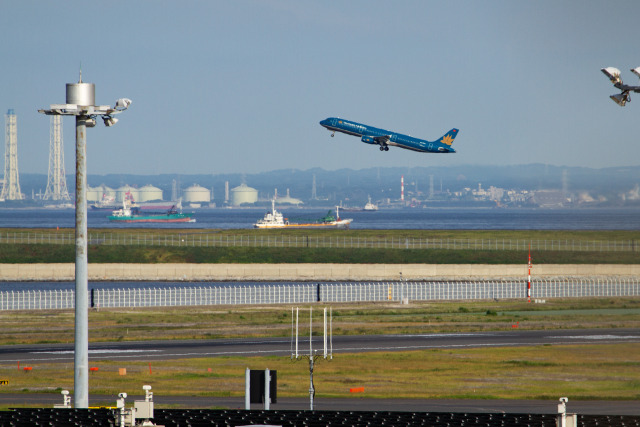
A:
(348, 242)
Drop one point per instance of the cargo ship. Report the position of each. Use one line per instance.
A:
(369, 207)
(108, 203)
(129, 214)
(275, 219)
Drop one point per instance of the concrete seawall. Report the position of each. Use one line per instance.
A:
(304, 272)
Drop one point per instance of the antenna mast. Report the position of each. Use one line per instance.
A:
(313, 356)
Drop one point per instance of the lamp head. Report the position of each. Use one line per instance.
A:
(122, 104)
(621, 99)
(109, 121)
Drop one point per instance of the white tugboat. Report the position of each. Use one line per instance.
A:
(370, 206)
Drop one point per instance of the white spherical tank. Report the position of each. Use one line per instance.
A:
(196, 194)
(122, 192)
(149, 193)
(243, 194)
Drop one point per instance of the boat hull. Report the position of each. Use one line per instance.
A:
(152, 218)
(336, 224)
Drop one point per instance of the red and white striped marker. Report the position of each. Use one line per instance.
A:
(529, 277)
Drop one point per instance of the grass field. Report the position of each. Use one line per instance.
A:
(57, 326)
(541, 372)
(20, 251)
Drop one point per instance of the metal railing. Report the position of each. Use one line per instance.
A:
(322, 292)
(348, 242)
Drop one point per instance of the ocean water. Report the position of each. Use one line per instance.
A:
(448, 219)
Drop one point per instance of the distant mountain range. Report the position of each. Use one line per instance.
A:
(354, 186)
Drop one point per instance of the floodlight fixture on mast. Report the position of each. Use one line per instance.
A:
(81, 104)
(625, 95)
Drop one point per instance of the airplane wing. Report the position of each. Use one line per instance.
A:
(382, 140)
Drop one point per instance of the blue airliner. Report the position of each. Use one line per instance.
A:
(385, 138)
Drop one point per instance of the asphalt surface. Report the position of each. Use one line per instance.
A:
(162, 350)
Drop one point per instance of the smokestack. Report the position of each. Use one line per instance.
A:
(402, 188)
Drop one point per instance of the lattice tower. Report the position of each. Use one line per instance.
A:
(57, 181)
(11, 187)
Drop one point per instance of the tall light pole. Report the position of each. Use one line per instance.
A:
(81, 104)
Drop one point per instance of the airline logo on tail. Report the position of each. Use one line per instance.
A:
(447, 139)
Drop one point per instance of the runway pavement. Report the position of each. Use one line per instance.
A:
(162, 350)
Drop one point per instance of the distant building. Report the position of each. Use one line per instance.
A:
(149, 193)
(288, 199)
(127, 192)
(549, 198)
(100, 193)
(196, 195)
(243, 194)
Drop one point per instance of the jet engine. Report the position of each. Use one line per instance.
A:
(368, 140)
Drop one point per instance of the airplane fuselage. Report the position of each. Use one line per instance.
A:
(385, 138)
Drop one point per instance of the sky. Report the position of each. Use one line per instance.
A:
(240, 86)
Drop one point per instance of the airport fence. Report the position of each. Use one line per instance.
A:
(285, 241)
(322, 292)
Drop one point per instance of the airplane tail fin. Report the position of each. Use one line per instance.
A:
(447, 140)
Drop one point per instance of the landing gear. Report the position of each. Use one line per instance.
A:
(384, 148)
(381, 148)
(333, 134)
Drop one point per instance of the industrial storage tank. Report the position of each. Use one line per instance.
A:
(93, 194)
(196, 194)
(100, 193)
(149, 193)
(288, 199)
(121, 193)
(243, 194)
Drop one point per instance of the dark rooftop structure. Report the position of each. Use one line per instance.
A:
(209, 417)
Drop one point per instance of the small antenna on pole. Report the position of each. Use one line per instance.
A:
(327, 348)
(80, 80)
(529, 276)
